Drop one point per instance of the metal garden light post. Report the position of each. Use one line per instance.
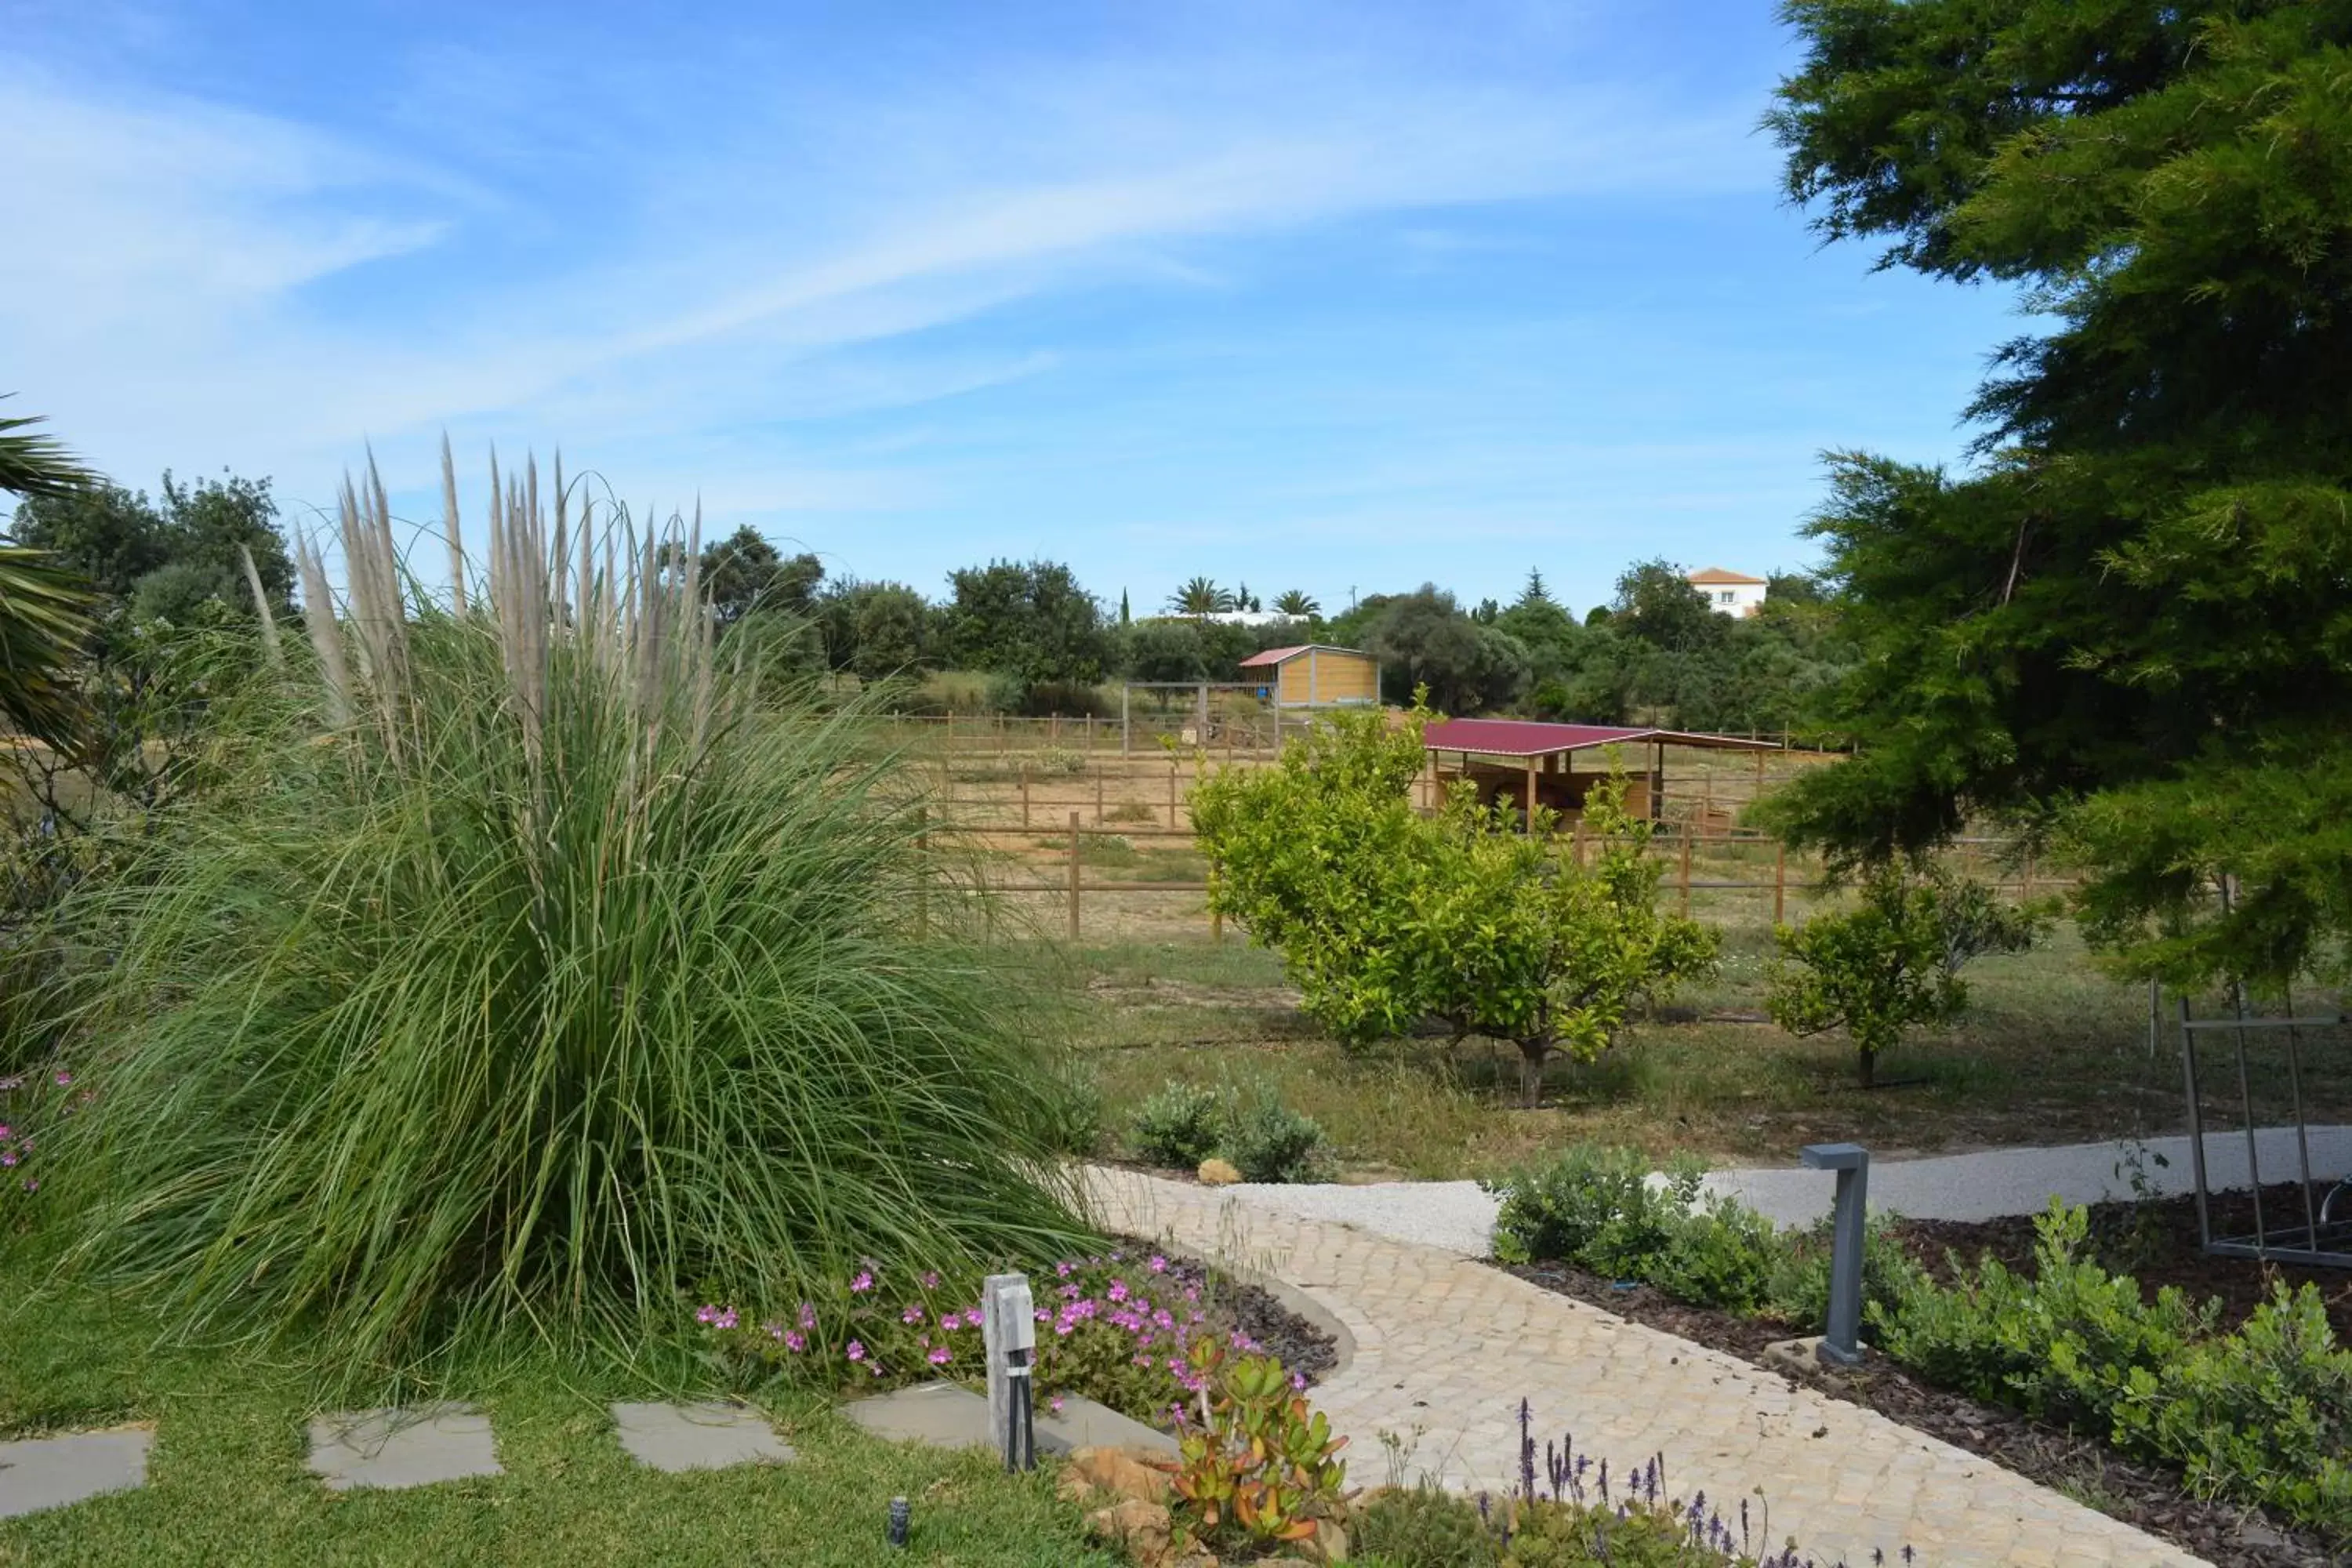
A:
(1843, 1343)
(1009, 1340)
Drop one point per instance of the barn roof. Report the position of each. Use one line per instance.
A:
(1525, 738)
(1274, 655)
(1710, 575)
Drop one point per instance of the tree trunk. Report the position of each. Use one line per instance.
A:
(1531, 1065)
(1866, 1064)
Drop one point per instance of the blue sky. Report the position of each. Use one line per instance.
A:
(1340, 296)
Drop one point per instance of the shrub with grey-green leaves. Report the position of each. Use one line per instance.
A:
(1180, 1126)
(1268, 1141)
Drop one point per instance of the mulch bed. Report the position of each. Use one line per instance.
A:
(2157, 1244)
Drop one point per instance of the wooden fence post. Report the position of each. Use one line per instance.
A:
(1025, 794)
(1098, 795)
(1171, 793)
(1779, 880)
(1074, 876)
(1685, 873)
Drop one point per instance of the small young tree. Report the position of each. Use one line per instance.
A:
(1320, 857)
(1514, 944)
(1385, 918)
(1893, 964)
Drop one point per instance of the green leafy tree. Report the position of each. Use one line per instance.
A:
(1163, 650)
(893, 629)
(1028, 621)
(1385, 918)
(744, 573)
(1893, 964)
(1297, 604)
(169, 559)
(2129, 624)
(1513, 945)
(1424, 639)
(1657, 605)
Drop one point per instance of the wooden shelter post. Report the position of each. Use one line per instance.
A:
(1531, 795)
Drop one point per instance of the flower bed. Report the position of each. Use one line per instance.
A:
(1117, 1327)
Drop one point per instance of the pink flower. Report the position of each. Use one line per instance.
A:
(938, 1356)
(726, 1319)
(1158, 1264)
(856, 1351)
(932, 1282)
(1063, 1269)
(794, 1342)
(863, 1282)
(1117, 1290)
(1063, 1327)
(773, 1330)
(7, 1157)
(808, 1316)
(1298, 1381)
(911, 1315)
(3, 1130)
(706, 1314)
(64, 1078)
(1054, 1404)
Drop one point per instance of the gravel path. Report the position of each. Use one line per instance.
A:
(1459, 1217)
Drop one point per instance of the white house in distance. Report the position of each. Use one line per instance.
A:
(1730, 592)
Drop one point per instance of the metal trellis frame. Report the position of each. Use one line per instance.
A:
(2322, 1236)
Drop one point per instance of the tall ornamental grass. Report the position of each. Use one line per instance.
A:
(533, 974)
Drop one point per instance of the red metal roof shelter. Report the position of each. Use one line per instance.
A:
(1545, 773)
(1527, 738)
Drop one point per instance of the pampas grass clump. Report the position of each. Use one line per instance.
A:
(529, 975)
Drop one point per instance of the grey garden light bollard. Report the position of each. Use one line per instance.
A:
(1843, 1343)
(1009, 1340)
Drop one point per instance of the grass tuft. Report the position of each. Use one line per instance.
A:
(529, 976)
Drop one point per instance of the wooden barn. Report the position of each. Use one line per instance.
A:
(1314, 675)
(1533, 765)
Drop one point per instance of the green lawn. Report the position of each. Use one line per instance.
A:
(226, 1482)
(2054, 1052)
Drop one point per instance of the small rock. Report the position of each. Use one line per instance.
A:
(1215, 1172)
(1331, 1543)
(1120, 1472)
(1140, 1527)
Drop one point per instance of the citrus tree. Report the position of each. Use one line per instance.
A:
(1387, 919)
(1893, 964)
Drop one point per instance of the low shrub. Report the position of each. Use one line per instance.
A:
(1594, 1206)
(1722, 1257)
(1268, 1141)
(1425, 1527)
(2262, 1414)
(1180, 1126)
(1796, 1291)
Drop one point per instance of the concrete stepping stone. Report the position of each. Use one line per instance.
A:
(707, 1435)
(939, 1414)
(1081, 1422)
(394, 1448)
(948, 1416)
(39, 1473)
